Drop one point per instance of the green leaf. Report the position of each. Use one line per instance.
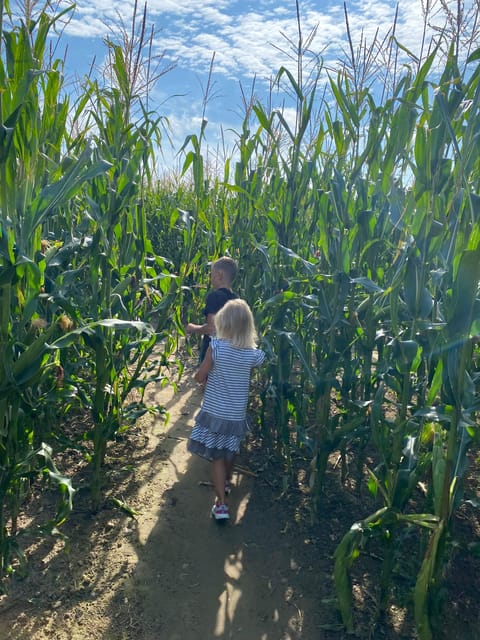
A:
(109, 323)
(464, 294)
(123, 506)
(474, 56)
(418, 300)
(299, 349)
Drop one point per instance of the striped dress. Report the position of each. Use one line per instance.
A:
(221, 423)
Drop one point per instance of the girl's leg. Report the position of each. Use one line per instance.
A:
(219, 475)
(229, 464)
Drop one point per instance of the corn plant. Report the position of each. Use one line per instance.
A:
(359, 233)
(122, 279)
(32, 186)
(429, 353)
(77, 268)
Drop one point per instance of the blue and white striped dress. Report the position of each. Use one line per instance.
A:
(221, 423)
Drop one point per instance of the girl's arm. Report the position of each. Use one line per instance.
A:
(206, 366)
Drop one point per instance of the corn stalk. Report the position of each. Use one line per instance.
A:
(32, 187)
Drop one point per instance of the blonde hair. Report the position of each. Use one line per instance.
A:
(235, 322)
(228, 266)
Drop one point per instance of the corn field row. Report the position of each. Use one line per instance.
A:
(357, 230)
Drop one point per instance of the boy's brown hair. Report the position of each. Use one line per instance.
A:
(228, 266)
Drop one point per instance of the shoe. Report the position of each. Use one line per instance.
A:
(228, 488)
(220, 512)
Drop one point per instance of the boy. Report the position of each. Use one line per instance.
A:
(222, 275)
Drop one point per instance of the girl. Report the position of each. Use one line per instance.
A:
(221, 423)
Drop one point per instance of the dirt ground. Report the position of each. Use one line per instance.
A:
(172, 573)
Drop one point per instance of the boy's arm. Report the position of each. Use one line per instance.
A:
(210, 324)
(207, 363)
(195, 328)
(214, 302)
(208, 328)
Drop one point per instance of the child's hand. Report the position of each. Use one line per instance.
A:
(202, 374)
(201, 379)
(189, 328)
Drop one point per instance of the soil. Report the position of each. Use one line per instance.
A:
(172, 573)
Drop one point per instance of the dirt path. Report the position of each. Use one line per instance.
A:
(175, 574)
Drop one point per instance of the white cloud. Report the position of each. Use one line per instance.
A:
(249, 39)
(246, 40)
(90, 14)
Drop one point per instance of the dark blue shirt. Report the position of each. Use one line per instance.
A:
(214, 302)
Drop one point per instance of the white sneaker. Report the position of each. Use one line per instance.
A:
(220, 512)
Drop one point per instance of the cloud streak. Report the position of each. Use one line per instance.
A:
(249, 39)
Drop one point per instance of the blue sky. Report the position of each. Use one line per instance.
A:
(248, 39)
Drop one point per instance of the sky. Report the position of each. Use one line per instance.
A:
(242, 42)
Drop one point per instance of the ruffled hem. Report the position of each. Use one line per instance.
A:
(221, 425)
(208, 453)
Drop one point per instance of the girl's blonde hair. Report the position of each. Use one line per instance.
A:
(235, 322)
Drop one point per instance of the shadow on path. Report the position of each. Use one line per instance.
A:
(174, 573)
(196, 579)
